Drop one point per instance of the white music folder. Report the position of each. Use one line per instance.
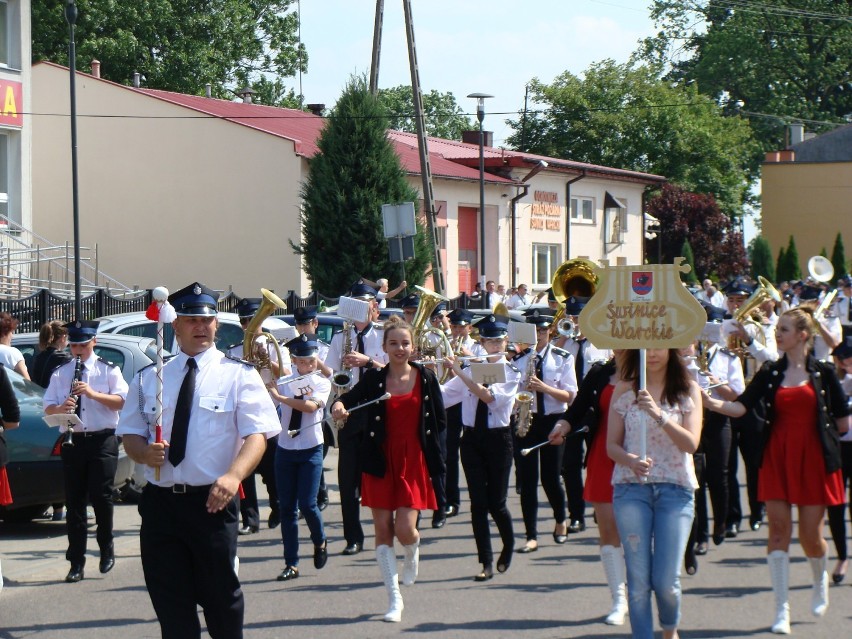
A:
(62, 419)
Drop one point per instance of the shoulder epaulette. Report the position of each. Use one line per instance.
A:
(513, 367)
(521, 354)
(559, 351)
(237, 359)
(105, 361)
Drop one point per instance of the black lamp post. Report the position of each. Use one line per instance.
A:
(480, 115)
(71, 18)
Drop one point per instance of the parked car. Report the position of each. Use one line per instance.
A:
(35, 467)
(230, 332)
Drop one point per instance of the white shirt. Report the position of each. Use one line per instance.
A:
(230, 403)
(103, 378)
(517, 300)
(717, 299)
(766, 351)
(843, 306)
(832, 327)
(372, 348)
(499, 411)
(591, 353)
(10, 357)
(727, 368)
(557, 370)
(318, 388)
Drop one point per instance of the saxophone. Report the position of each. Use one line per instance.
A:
(341, 381)
(524, 400)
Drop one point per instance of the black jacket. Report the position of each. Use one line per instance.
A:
(585, 409)
(45, 363)
(433, 420)
(831, 403)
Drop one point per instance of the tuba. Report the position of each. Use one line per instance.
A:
(424, 347)
(261, 359)
(573, 278)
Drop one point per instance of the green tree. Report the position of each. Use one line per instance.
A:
(443, 116)
(628, 117)
(761, 259)
(180, 45)
(686, 252)
(791, 258)
(788, 58)
(355, 171)
(838, 257)
(781, 266)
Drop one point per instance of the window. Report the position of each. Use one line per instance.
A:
(4, 35)
(112, 355)
(546, 259)
(583, 210)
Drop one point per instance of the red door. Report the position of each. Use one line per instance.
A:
(467, 248)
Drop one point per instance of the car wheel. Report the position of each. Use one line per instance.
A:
(24, 514)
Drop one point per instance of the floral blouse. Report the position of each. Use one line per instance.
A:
(670, 464)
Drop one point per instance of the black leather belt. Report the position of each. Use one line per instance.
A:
(94, 433)
(182, 489)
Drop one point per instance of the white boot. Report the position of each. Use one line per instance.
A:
(386, 558)
(779, 572)
(411, 563)
(819, 596)
(613, 563)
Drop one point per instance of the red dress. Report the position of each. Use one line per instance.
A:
(793, 468)
(598, 489)
(406, 483)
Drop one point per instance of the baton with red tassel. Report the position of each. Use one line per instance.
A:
(161, 312)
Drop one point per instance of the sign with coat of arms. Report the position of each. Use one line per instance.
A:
(642, 307)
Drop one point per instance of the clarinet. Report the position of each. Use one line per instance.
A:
(78, 377)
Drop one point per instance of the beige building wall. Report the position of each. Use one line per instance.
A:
(168, 197)
(810, 201)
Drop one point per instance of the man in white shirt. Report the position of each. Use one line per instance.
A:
(518, 299)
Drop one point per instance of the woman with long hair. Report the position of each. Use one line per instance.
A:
(591, 408)
(806, 411)
(399, 452)
(53, 342)
(654, 497)
(10, 356)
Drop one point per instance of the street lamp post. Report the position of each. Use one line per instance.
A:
(71, 18)
(480, 115)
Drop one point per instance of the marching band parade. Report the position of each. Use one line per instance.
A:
(409, 402)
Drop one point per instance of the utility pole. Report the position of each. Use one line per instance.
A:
(422, 147)
(377, 47)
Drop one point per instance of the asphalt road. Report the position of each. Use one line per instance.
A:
(558, 591)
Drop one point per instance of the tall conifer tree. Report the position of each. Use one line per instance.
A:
(761, 259)
(838, 257)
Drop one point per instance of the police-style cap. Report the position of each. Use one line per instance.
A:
(248, 307)
(539, 316)
(846, 280)
(361, 290)
(550, 295)
(303, 346)
(574, 304)
(714, 313)
(493, 326)
(737, 286)
(410, 301)
(438, 310)
(195, 299)
(809, 293)
(844, 349)
(304, 314)
(82, 331)
(460, 317)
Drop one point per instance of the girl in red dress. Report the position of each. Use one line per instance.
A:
(806, 411)
(400, 452)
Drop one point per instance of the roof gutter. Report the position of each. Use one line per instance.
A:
(568, 213)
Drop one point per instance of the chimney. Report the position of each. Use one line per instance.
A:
(137, 77)
(96, 68)
(797, 133)
(246, 94)
(316, 108)
(472, 137)
(208, 90)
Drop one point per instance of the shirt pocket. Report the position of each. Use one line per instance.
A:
(149, 409)
(215, 412)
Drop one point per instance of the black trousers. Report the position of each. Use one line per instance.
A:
(439, 482)
(454, 432)
(572, 473)
(837, 514)
(89, 469)
(745, 436)
(716, 446)
(249, 509)
(486, 457)
(349, 479)
(188, 561)
(549, 460)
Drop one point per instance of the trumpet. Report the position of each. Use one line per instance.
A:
(68, 440)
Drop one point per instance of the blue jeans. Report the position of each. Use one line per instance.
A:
(653, 522)
(297, 475)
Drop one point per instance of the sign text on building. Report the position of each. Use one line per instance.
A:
(545, 212)
(11, 94)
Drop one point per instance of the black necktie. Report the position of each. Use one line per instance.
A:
(578, 362)
(480, 423)
(539, 397)
(180, 423)
(296, 418)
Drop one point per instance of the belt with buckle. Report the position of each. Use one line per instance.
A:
(94, 433)
(183, 489)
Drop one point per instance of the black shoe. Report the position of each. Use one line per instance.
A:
(485, 574)
(248, 530)
(731, 532)
(505, 559)
(701, 548)
(839, 573)
(322, 499)
(439, 518)
(74, 575)
(289, 572)
(451, 511)
(107, 561)
(559, 538)
(755, 524)
(530, 546)
(321, 555)
(576, 526)
(691, 562)
(352, 549)
(718, 539)
(274, 520)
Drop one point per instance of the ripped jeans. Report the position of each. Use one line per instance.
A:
(654, 521)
